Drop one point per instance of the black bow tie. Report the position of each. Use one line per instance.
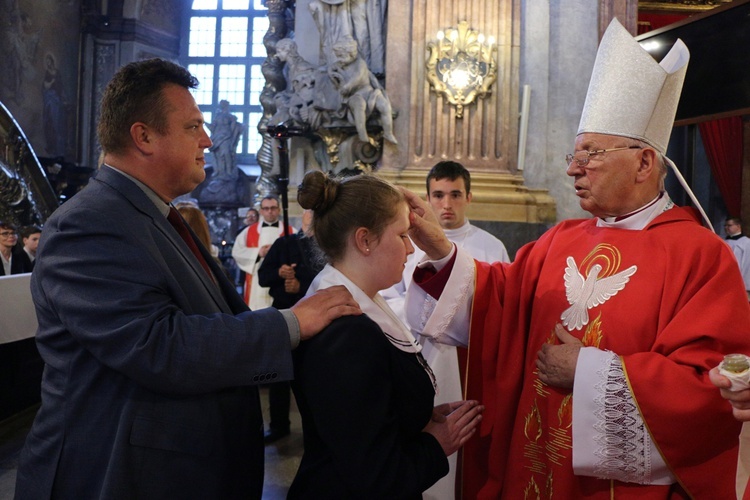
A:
(273, 224)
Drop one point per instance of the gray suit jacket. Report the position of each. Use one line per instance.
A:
(150, 368)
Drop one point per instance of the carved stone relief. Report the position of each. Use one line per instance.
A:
(337, 103)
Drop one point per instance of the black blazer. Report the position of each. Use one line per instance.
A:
(19, 263)
(149, 386)
(291, 249)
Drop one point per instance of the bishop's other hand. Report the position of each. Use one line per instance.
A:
(556, 364)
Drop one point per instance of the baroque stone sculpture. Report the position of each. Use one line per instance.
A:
(360, 91)
(225, 135)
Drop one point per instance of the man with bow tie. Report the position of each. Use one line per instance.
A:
(251, 247)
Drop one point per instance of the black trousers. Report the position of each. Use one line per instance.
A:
(279, 394)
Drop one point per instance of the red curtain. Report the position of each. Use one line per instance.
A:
(723, 142)
(648, 21)
(722, 138)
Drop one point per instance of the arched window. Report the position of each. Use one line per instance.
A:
(223, 48)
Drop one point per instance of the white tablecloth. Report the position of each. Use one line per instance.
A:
(17, 316)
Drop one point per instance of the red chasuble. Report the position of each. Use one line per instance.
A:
(681, 310)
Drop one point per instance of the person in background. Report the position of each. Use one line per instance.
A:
(364, 391)
(290, 265)
(251, 246)
(251, 217)
(152, 359)
(30, 239)
(10, 258)
(448, 186)
(741, 247)
(592, 350)
(196, 219)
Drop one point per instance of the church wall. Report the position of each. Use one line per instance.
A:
(59, 55)
(558, 47)
(39, 44)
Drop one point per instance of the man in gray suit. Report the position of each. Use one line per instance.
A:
(151, 357)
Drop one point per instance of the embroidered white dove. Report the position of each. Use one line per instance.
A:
(583, 294)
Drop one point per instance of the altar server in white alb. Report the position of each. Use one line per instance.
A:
(741, 247)
(251, 247)
(449, 194)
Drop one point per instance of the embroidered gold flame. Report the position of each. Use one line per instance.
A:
(533, 427)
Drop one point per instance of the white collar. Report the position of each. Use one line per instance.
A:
(377, 308)
(453, 234)
(640, 218)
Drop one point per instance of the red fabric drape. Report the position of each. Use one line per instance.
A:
(649, 21)
(723, 142)
(721, 138)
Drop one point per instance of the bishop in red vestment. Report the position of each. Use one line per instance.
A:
(592, 351)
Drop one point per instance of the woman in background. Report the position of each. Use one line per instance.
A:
(364, 391)
(197, 221)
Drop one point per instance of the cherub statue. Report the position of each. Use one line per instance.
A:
(296, 101)
(360, 90)
(286, 51)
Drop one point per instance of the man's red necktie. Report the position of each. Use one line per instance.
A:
(175, 219)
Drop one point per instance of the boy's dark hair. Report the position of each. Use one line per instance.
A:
(451, 170)
(29, 230)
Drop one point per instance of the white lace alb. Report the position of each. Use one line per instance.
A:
(622, 442)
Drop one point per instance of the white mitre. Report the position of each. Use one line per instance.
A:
(630, 94)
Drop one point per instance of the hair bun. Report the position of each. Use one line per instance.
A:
(317, 191)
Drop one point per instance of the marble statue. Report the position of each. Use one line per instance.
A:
(363, 20)
(225, 135)
(295, 103)
(360, 91)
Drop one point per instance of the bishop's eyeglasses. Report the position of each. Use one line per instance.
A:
(582, 157)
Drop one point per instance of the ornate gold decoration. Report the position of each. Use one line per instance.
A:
(461, 65)
(687, 6)
(607, 256)
(565, 412)
(594, 334)
(533, 427)
(532, 491)
(548, 486)
(332, 139)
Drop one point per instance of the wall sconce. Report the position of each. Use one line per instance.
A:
(461, 65)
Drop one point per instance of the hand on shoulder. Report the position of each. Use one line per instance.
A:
(318, 310)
